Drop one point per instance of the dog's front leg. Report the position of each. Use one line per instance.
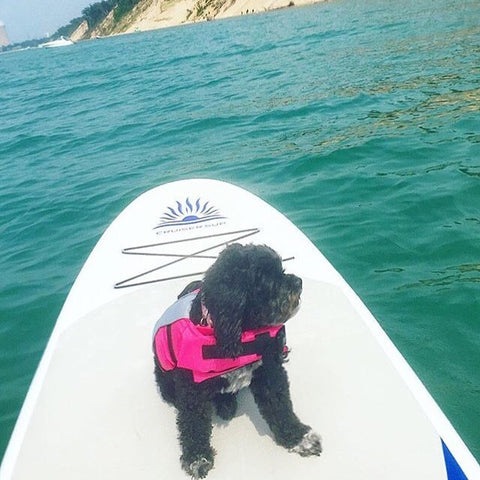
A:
(194, 421)
(271, 391)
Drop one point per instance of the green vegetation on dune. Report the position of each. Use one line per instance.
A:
(97, 12)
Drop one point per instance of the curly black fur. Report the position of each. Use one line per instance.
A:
(245, 289)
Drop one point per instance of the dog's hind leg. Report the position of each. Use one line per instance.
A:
(271, 391)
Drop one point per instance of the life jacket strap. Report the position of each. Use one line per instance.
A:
(170, 345)
(258, 346)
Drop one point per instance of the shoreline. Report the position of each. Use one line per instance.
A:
(157, 14)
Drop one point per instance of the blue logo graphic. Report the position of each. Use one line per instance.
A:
(189, 213)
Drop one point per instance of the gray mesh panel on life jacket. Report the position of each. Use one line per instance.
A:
(179, 309)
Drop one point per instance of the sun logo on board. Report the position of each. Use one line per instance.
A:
(189, 213)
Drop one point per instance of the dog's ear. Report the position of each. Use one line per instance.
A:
(226, 312)
(225, 297)
(228, 333)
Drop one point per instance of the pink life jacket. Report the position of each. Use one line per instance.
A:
(179, 343)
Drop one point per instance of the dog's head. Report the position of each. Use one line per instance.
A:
(245, 289)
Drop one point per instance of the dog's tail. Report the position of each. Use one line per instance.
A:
(192, 286)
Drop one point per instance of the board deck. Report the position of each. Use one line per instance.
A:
(93, 411)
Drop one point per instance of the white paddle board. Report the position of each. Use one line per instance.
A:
(93, 410)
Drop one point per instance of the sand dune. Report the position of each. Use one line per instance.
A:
(153, 14)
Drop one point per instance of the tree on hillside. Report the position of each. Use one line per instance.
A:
(96, 13)
(67, 30)
(123, 7)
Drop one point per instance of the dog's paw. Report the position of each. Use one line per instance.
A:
(198, 468)
(310, 444)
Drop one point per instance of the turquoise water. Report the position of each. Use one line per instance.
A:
(359, 119)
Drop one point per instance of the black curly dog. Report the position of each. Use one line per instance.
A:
(245, 289)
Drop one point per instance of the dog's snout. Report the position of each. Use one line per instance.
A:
(297, 282)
